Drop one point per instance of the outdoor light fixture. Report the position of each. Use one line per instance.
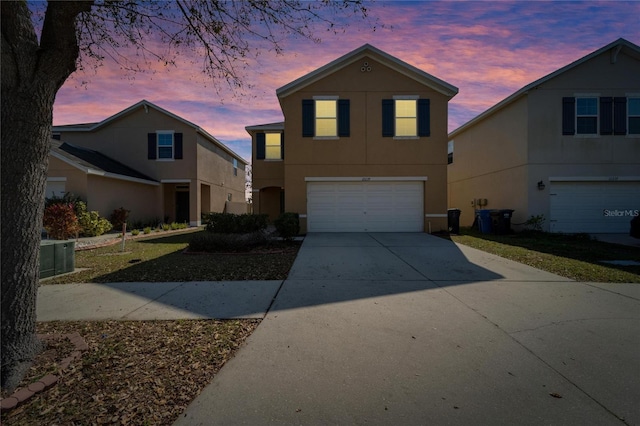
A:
(541, 185)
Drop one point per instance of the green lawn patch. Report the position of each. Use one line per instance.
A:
(577, 257)
(163, 259)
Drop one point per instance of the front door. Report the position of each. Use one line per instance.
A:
(182, 207)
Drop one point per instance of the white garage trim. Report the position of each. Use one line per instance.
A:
(366, 179)
(365, 206)
(594, 206)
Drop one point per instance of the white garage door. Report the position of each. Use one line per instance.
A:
(593, 207)
(365, 206)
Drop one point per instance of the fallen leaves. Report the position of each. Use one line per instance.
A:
(143, 372)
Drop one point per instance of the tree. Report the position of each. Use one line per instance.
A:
(41, 48)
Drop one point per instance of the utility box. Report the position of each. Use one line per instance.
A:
(57, 257)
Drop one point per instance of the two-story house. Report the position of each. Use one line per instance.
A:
(566, 146)
(149, 161)
(363, 148)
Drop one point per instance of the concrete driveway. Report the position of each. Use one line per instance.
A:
(412, 329)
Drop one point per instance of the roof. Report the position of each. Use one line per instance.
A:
(94, 163)
(383, 57)
(265, 127)
(615, 48)
(90, 127)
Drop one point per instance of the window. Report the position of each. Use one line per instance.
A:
(325, 117)
(229, 196)
(164, 145)
(235, 168)
(449, 152)
(587, 116)
(272, 146)
(406, 117)
(634, 116)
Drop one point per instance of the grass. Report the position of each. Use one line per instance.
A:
(577, 257)
(162, 259)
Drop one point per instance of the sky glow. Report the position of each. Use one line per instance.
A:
(487, 49)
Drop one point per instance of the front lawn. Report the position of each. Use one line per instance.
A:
(577, 257)
(162, 259)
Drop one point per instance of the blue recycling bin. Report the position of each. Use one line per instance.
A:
(484, 221)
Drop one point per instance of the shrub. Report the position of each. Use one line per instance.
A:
(92, 225)
(118, 217)
(215, 242)
(535, 223)
(67, 198)
(288, 225)
(135, 232)
(166, 227)
(60, 221)
(147, 230)
(228, 223)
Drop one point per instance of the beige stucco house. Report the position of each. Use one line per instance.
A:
(149, 161)
(363, 148)
(566, 146)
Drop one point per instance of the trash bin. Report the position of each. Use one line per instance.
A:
(501, 221)
(453, 220)
(484, 220)
(635, 227)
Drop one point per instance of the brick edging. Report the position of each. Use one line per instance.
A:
(23, 394)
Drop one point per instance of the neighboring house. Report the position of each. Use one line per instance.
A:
(149, 161)
(365, 151)
(566, 146)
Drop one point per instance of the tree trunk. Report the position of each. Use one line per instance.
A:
(32, 74)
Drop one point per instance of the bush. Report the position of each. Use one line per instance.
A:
(166, 227)
(288, 225)
(135, 232)
(215, 242)
(119, 217)
(92, 225)
(60, 221)
(147, 230)
(228, 223)
(67, 198)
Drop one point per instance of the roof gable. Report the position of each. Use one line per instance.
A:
(383, 57)
(612, 49)
(90, 127)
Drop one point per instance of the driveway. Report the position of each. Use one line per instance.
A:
(413, 329)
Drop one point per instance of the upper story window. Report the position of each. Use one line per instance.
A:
(450, 152)
(587, 116)
(164, 145)
(235, 167)
(406, 117)
(634, 116)
(270, 146)
(325, 117)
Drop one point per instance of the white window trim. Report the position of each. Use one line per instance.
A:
(406, 98)
(575, 116)
(326, 98)
(265, 146)
(629, 96)
(173, 144)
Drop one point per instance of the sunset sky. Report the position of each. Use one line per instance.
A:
(488, 49)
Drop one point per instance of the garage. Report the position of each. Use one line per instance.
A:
(593, 207)
(365, 206)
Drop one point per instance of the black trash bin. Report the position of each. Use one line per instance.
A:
(635, 227)
(453, 220)
(501, 221)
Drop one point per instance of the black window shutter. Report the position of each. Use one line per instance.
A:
(344, 118)
(424, 117)
(177, 146)
(151, 146)
(282, 145)
(260, 146)
(606, 116)
(388, 127)
(619, 116)
(568, 116)
(308, 118)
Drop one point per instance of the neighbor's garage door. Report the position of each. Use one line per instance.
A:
(365, 206)
(593, 207)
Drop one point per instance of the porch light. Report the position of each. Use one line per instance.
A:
(541, 185)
